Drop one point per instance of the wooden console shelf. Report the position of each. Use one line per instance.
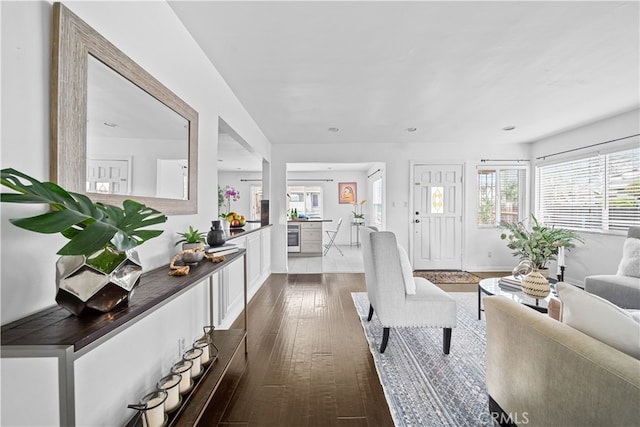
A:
(54, 332)
(229, 343)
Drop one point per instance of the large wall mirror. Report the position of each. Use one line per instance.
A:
(116, 132)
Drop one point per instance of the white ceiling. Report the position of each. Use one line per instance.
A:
(457, 71)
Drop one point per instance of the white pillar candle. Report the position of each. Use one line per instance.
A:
(153, 415)
(193, 355)
(170, 384)
(184, 369)
(204, 346)
(561, 256)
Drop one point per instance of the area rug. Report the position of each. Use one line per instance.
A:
(423, 386)
(441, 277)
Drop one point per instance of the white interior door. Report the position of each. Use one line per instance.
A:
(108, 176)
(437, 221)
(172, 179)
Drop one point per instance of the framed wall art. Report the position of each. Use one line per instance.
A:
(347, 192)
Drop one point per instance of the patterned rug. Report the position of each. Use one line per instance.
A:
(442, 277)
(424, 387)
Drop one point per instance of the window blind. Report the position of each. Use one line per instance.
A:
(593, 193)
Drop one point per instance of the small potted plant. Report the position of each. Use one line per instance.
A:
(192, 245)
(192, 239)
(99, 266)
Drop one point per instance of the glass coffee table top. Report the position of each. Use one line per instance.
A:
(492, 286)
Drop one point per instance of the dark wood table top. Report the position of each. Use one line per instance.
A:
(55, 326)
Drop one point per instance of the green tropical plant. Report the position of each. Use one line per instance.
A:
(192, 236)
(536, 242)
(90, 227)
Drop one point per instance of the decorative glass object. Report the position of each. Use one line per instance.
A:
(101, 281)
(193, 355)
(437, 200)
(183, 368)
(171, 384)
(203, 345)
(151, 407)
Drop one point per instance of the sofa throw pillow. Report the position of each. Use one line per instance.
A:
(599, 319)
(630, 263)
(407, 271)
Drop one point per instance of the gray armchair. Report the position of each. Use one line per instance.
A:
(386, 282)
(622, 290)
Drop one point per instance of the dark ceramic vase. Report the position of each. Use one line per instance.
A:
(215, 237)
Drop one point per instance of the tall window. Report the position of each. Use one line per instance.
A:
(501, 195)
(376, 214)
(599, 192)
(307, 200)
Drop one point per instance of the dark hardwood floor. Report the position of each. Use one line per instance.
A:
(308, 361)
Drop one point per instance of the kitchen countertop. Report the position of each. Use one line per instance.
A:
(310, 220)
(248, 228)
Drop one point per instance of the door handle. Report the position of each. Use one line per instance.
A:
(417, 221)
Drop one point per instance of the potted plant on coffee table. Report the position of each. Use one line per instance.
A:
(533, 241)
(99, 266)
(536, 244)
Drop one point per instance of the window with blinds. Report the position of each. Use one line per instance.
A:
(501, 193)
(600, 192)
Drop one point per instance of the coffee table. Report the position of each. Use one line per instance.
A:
(492, 286)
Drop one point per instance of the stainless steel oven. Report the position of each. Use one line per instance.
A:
(293, 237)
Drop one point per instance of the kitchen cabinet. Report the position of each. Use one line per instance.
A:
(311, 237)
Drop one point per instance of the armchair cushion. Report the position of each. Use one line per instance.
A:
(600, 319)
(630, 263)
(407, 271)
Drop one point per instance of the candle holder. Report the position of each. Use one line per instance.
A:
(171, 385)
(193, 355)
(206, 342)
(151, 408)
(183, 368)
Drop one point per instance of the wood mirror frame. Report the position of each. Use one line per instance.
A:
(73, 41)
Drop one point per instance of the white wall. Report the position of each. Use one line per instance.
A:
(161, 46)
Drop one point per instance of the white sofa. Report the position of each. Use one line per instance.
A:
(542, 372)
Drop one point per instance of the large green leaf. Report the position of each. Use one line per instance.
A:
(88, 226)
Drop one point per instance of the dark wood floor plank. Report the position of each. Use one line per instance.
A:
(322, 402)
(241, 403)
(295, 402)
(266, 410)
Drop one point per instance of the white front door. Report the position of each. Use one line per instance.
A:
(437, 219)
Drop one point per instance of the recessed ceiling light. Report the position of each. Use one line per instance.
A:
(111, 125)
(411, 129)
(333, 129)
(508, 128)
